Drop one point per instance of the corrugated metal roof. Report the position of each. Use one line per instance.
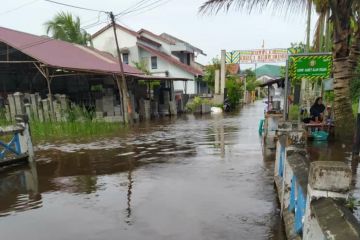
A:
(172, 60)
(61, 54)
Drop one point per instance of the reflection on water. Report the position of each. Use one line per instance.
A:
(19, 190)
(194, 177)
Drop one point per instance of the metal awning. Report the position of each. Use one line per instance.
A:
(157, 78)
(64, 55)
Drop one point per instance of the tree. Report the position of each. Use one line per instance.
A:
(66, 27)
(346, 45)
(209, 76)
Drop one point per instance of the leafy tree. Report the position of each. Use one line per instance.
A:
(66, 27)
(234, 90)
(209, 76)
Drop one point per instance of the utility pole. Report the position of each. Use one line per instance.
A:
(122, 86)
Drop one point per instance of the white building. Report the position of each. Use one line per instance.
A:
(162, 55)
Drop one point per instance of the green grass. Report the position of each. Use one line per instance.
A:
(73, 130)
(79, 125)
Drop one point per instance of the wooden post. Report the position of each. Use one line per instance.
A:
(122, 86)
(48, 80)
(45, 73)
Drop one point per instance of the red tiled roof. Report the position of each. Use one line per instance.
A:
(117, 26)
(233, 68)
(61, 54)
(172, 60)
(157, 36)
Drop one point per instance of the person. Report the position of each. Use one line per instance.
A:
(317, 110)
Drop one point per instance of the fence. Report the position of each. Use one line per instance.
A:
(19, 148)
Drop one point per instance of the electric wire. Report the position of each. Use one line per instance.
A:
(18, 7)
(138, 9)
(78, 7)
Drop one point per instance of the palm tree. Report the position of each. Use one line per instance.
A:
(346, 44)
(66, 27)
(320, 41)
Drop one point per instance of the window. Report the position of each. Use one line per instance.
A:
(125, 57)
(154, 62)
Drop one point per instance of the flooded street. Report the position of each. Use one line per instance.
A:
(187, 178)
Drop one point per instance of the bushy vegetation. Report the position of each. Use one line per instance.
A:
(192, 105)
(234, 90)
(209, 73)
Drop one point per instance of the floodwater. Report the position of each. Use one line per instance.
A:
(188, 178)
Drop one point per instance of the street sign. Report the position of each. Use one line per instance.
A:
(232, 57)
(311, 66)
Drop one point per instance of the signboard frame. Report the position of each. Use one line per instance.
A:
(316, 66)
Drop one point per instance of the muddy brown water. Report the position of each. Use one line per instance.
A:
(185, 178)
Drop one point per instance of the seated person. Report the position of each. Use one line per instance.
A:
(317, 110)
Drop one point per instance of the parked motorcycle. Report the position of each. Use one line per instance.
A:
(227, 105)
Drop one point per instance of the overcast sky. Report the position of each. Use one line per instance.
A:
(231, 31)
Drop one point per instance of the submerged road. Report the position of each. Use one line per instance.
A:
(192, 178)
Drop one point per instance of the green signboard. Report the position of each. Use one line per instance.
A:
(311, 66)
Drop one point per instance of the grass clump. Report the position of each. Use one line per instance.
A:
(77, 123)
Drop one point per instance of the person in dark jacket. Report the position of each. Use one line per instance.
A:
(317, 110)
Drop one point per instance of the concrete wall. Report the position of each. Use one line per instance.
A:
(312, 194)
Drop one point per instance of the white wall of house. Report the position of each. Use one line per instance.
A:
(106, 42)
(165, 47)
(173, 70)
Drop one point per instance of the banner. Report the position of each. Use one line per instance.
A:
(311, 67)
(263, 56)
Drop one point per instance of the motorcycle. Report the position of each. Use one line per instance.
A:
(227, 105)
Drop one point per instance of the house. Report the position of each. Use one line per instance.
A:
(267, 73)
(47, 71)
(161, 55)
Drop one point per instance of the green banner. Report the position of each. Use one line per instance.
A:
(311, 67)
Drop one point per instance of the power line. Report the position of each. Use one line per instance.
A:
(78, 7)
(148, 10)
(142, 8)
(19, 7)
(138, 4)
(96, 23)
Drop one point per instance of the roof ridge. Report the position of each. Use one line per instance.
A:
(169, 57)
(156, 35)
(103, 29)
